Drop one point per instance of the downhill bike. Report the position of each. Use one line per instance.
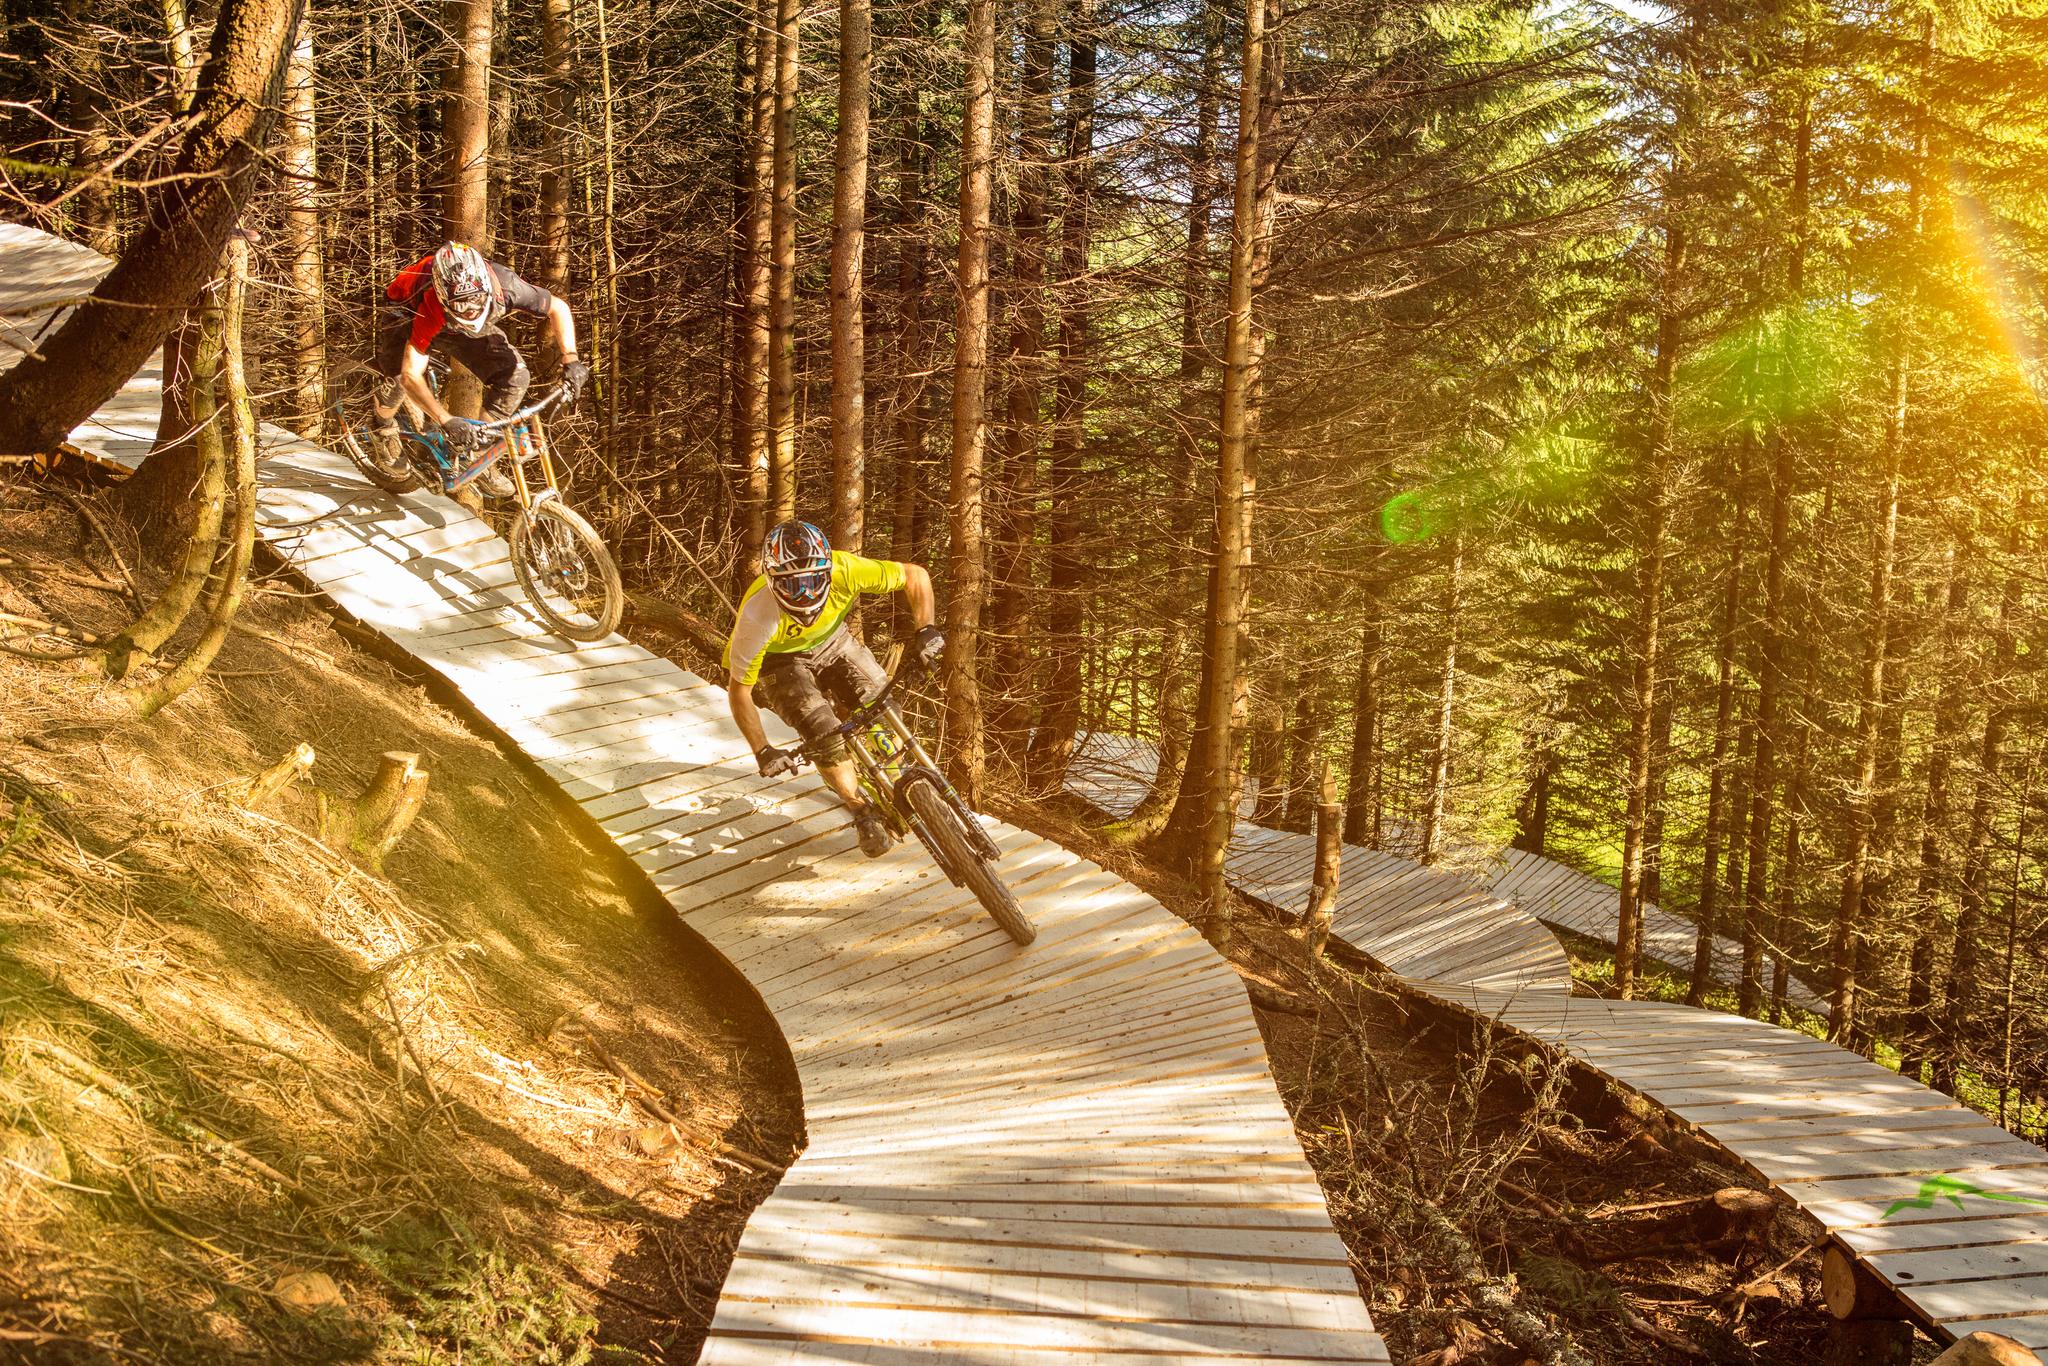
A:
(912, 796)
(561, 561)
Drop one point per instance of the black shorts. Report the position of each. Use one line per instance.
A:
(800, 688)
(491, 357)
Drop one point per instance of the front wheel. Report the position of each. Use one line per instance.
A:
(939, 817)
(566, 571)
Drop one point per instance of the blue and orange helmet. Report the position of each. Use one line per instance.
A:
(797, 560)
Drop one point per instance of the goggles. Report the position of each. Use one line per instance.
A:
(469, 309)
(803, 589)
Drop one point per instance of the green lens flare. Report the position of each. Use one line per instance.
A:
(1408, 517)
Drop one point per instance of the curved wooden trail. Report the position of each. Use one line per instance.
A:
(1423, 924)
(1114, 772)
(1063, 1153)
(1945, 1207)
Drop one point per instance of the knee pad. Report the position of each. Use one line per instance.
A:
(508, 395)
(831, 749)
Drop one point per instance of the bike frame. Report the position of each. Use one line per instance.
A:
(521, 434)
(887, 773)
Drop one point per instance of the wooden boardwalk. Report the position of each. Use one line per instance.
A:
(1944, 1206)
(1114, 772)
(1425, 924)
(1067, 1152)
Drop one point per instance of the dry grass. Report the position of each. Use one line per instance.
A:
(229, 1055)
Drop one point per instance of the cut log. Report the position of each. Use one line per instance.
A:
(1869, 1342)
(1986, 1349)
(289, 769)
(1727, 1223)
(1853, 1291)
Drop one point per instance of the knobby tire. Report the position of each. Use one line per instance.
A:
(549, 526)
(988, 887)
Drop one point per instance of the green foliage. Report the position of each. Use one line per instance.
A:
(491, 1308)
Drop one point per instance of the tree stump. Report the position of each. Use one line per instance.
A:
(372, 824)
(1986, 1349)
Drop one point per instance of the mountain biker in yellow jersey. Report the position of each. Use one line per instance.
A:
(789, 641)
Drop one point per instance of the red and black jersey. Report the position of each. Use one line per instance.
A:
(415, 286)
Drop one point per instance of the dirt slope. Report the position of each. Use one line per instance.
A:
(238, 1071)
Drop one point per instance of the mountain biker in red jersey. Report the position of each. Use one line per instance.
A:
(455, 299)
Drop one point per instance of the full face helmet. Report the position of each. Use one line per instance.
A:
(463, 280)
(797, 559)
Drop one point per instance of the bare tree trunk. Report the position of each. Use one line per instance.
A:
(109, 336)
(782, 270)
(1717, 781)
(557, 100)
(1771, 665)
(139, 641)
(1329, 869)
(227, 425)
(1960, 987)
(1918, 1032)
(1796, 818)
(1008, 658)
(1362, 799)
(183, 72)
(1884, 549)
(1199, 831)
(1430, 844)
(909, 388)
(849, 237)
(970, 431)
(1628, 942)
(302, 230)
(1304, 737)
(758, 333)
(465, 179)
(1052, 743)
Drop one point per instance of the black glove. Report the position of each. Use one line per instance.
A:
(928, 646)
(776, 762)
(464, 434)
(574, 376)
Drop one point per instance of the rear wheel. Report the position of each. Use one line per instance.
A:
(393, 474)
(988, 887)
(566, 571)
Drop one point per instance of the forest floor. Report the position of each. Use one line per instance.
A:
(1491, 1195)
(259, 1101)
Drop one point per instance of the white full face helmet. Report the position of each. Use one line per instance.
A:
(463, 280)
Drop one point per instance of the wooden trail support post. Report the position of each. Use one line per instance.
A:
(1870, 1327)
(1322, 896)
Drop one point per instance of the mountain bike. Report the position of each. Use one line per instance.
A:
(561, 561)
(911, 794)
